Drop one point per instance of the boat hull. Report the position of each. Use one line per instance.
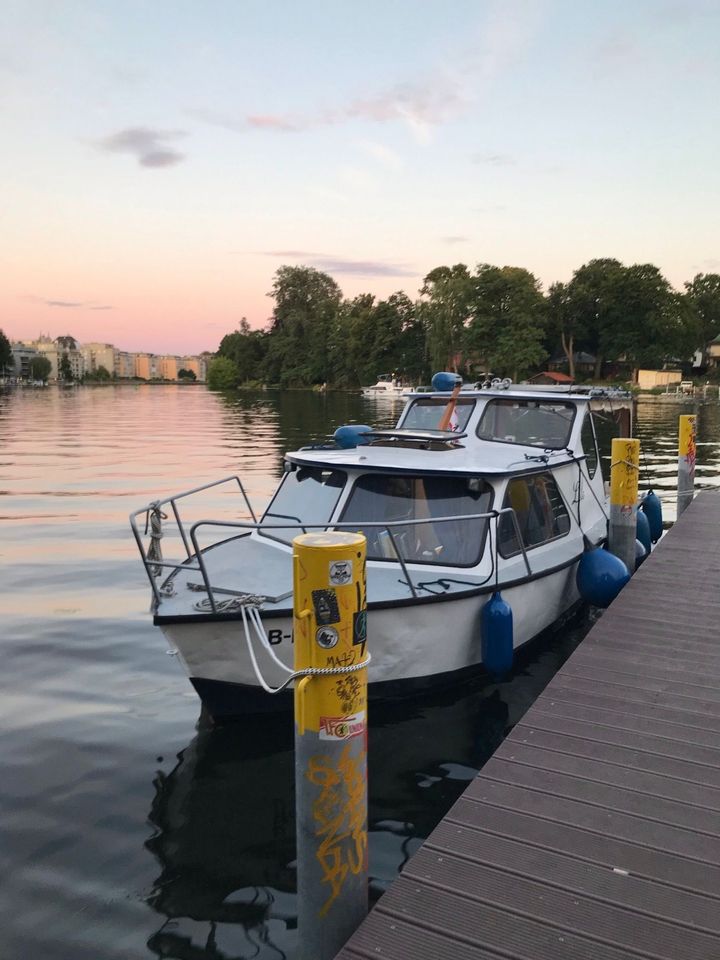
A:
(413, 646)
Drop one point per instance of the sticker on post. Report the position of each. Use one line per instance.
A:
(341, 572)
(359, 627)
(326, 607)
(342, 728)
(326, 637)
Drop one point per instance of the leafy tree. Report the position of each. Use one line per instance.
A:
(447, 310)
(40, 368)
(565, 321)
(508, 316)
(247, 349)
(222, 374)
(64, 369)
(655, 320)
(102, 374)
(187, 375)
(352, 337)
(6, 357)
(703, 298)
(596, 300)
(413, 355)
(307, 303)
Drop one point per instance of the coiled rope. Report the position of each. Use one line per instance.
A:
(153, 519)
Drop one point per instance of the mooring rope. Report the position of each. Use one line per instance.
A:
(154, 518)
(253, 613)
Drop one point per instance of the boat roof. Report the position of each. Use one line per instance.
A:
(483, 457)
(445, 452)
(527, 391)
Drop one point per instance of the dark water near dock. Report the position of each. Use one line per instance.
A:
(130, 830)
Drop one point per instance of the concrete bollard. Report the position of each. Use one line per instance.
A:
(624, 476)
(330, 634)
(686, 461)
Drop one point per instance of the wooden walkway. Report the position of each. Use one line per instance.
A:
(594, 831)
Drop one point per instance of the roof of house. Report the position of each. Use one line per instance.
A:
(552, 375)
(580, 356)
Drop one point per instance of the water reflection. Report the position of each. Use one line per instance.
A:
(224, 816)
(91, 702)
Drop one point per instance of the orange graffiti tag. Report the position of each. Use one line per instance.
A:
(340, 818)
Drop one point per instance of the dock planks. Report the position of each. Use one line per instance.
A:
(594, 830)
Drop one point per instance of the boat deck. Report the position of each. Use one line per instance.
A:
(261, 566)
(594, 831)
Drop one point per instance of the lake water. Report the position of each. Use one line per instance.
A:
(130, 828)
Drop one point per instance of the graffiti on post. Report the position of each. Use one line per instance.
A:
(339, 811)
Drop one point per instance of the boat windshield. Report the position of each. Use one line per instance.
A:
(425, 413)
(307, 495)
(532, 423)
(394, 497)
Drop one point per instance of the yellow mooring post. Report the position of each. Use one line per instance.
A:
(330, 636)
(624, 476)
(686, 461)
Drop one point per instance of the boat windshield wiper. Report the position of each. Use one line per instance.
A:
(284, 516)
(442, 582)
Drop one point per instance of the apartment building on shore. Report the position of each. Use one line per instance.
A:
(82, 360)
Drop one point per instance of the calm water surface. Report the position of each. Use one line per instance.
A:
(130, 828)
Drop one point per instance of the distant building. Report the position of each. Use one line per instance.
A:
(146, 366)
(168, 367)
(55, 350)
(22, 356)
(198, 365)
(584, 363)
(124, 365)
(96, 355)
(87, 358)
(647, 379)
(713, 353)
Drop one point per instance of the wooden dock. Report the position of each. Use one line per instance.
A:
(594, 831)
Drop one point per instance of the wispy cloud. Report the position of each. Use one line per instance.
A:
(455, 239)
(423, 102)
(494, 159)
(70, 304)
(365, 268)
(269, 121)
(331, 263)
(149, 146)
(385, 156)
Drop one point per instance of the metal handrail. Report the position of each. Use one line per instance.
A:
(261, 527)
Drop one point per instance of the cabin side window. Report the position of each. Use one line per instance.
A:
(540, 511)
(426, 413)
(416, 506)
(307, 495)
(531, 423)
(589, 443)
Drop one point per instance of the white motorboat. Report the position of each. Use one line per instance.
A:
(387, 387)
(507, 500)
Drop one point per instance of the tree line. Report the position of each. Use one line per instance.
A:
(490, 319)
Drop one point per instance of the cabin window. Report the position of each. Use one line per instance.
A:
(532, 423)
(426, 413)
(307, 495)
(589, 444)
(394, 498)
(540, 512)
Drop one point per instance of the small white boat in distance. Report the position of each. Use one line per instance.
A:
(388, 387)
(509, 498)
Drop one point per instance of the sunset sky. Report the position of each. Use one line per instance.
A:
(161, 159)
